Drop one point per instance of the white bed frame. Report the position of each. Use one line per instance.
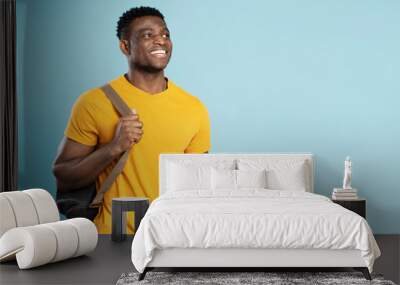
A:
(242, 258)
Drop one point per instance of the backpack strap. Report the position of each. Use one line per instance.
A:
(116, 100)
(123, 110)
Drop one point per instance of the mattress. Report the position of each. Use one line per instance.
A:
(251, 219)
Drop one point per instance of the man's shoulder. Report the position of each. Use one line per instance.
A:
(92, 95)
(186, 96)
(91, 98)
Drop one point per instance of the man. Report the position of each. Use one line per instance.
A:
(165, 119)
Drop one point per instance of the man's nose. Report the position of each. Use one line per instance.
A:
(159, 40)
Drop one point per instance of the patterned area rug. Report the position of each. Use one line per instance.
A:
(269, 278)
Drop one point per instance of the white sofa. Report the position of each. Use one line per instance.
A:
(31, 233)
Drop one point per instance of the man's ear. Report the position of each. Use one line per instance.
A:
(124, 47)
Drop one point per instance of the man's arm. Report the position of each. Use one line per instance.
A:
(77, 165)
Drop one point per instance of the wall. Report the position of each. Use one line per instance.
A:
(277, 76)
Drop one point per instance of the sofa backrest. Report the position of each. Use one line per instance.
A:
(26, 208)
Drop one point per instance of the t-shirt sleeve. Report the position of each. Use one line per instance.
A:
(201, 141)
(82, 126)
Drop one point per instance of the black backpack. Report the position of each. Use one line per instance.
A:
(86, 201)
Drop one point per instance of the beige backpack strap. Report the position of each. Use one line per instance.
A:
(116, 100)
(123, 110)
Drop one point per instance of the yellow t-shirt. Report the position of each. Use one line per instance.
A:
(173, 122)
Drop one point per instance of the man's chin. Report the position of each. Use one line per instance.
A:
(153, 68)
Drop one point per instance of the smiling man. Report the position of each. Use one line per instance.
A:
(165, 119)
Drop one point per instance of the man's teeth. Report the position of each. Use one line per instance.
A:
(158, 52)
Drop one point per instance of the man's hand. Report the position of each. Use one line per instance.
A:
(129, 132)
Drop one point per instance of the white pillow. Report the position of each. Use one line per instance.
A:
(223, 179)
(206, 161)
(180, 172)
(185, 177)
(251, 178)
(236, 179)
(284, 174)
(288, 179)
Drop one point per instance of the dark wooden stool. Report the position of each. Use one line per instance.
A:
(120, 206)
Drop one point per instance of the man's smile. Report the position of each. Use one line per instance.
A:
(159, 52)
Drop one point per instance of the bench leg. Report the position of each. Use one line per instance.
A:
(143, 274)
(118, 223)
(364, 271)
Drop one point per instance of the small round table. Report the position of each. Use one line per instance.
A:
(120, 206)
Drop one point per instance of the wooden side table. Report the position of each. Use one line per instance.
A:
(358, 206)
(120, 206)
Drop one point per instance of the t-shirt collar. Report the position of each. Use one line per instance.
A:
(132, 88)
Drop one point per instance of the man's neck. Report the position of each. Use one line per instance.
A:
(152, 83)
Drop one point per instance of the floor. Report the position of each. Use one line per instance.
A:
(110, 260)
(102, 266)
(389, 262)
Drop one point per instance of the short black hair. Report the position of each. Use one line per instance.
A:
(126, 19)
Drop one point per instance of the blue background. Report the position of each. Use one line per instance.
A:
(276, 76)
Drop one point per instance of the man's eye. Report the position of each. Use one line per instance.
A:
(166, 36)
(147, 35)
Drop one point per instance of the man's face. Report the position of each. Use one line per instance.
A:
(149, 44)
